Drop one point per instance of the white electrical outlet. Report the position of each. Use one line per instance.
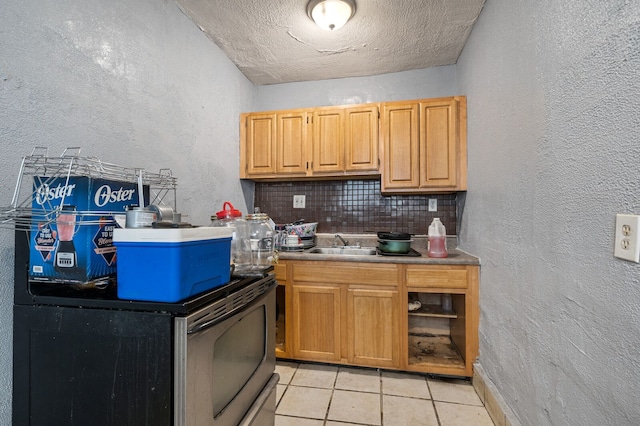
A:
(433, 204)
(627, 232)
(299, 201)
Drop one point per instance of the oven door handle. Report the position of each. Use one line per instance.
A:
(208, 324)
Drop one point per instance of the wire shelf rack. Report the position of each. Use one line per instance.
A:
(38, 170)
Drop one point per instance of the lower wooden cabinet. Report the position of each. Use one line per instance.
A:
(373, 333)
(356, 314)
(316, 322)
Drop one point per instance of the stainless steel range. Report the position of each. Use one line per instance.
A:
(225, 359)
(86, 357)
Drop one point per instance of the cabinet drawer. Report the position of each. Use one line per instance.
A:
(280, 271)
(345, 272)
(437, 277)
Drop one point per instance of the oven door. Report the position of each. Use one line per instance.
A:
(222, 365)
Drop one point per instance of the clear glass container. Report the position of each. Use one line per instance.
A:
(232, 218)
(280, 237)
(261, 239)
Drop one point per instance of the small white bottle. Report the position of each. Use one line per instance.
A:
(437, 239)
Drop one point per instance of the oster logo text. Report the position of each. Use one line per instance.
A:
(47, 193)
(105, 195)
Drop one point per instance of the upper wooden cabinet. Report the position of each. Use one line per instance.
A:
(401, 145)
(290, 143)
(424, 146)
(322, 142)
(361, 139)
(328, 141)
(259, 135)
(418, 146)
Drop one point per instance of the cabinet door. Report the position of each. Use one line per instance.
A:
(373, 327)
(328, 140)
(258, 152)
(401, 162)
(361, 139)
(283, 311)
(316, 323)
(291, 139)
(438, 143)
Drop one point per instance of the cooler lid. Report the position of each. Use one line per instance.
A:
(170, 235)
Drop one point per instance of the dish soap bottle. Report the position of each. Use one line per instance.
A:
(437, 239)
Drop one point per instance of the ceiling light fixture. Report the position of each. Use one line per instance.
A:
(331, 14)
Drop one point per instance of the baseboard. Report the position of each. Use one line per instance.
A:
(497, 408)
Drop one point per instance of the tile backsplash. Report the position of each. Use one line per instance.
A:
(354, 206)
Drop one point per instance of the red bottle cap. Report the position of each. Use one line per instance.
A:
(226, 213)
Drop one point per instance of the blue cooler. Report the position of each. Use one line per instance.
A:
(169, 265)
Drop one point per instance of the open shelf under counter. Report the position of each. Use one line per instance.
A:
(280, 338)
(432, 351)
(433, 311)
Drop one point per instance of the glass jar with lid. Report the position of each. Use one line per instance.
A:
(280, 237)
(231, 218)
(261, 239)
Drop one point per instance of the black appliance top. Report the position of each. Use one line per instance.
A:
(61, 295)
(28, 292)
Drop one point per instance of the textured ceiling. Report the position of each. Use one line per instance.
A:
(274, 41)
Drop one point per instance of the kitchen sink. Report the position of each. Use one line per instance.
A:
(345, 251)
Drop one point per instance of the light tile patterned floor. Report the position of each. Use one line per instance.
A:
(328, 395)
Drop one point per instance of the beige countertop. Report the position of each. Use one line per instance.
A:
(455, 256)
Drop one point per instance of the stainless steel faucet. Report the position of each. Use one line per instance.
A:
(344, 242)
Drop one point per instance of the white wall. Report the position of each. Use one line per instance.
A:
(553, 91)
(132, 82)
(426, 83)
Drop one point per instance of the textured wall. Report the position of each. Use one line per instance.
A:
(553, 93)
(131, 82)
(427, 83)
